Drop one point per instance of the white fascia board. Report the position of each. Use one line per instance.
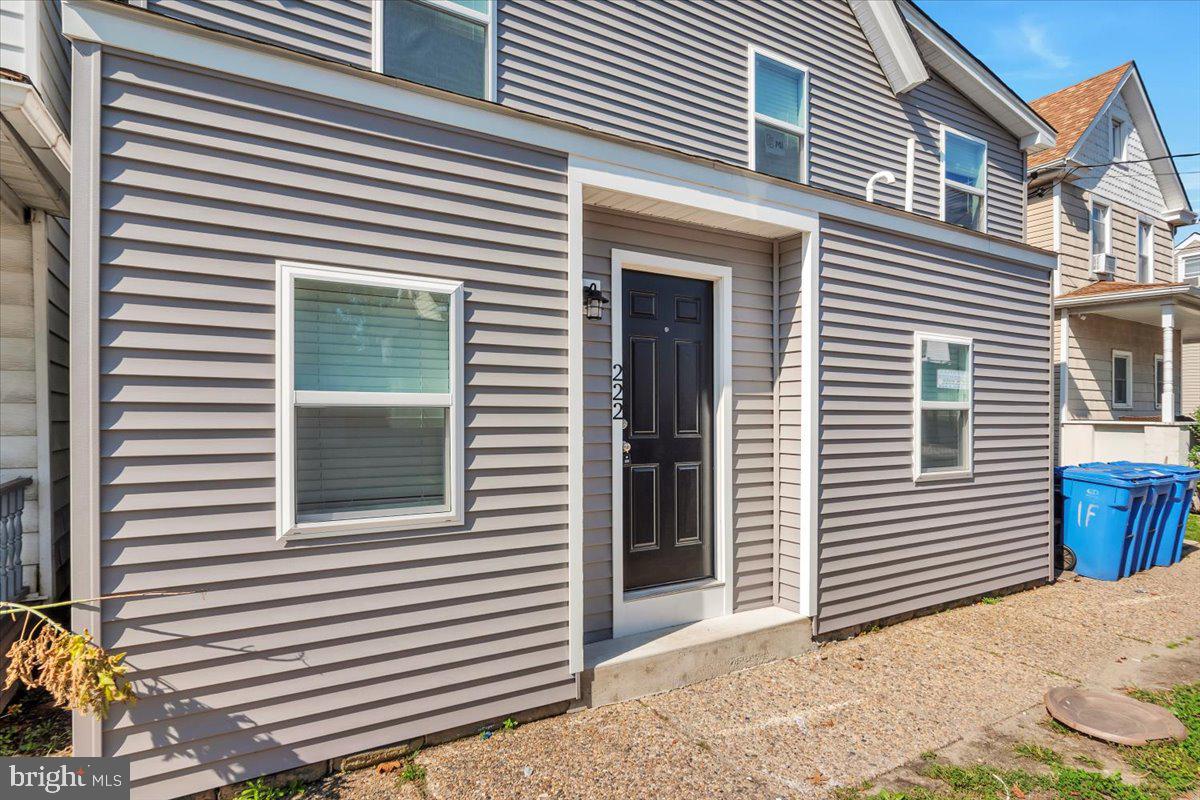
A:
(1119, 297)
(131, 29)
(23, 108)
(982, 87)
(893, 46)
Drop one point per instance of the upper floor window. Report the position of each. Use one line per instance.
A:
(1191, 266)
(1101, 240)
(1145, 252)
(964, 180)
(442, 43)
(779, 100)
(1120, 139)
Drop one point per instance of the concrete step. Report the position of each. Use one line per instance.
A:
(670, 658)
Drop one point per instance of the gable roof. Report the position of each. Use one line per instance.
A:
(1071, 111)
(1189, 241)
(1075, 110)
(906, 42)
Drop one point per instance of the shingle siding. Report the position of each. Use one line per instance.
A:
(277, 655)
(888, 545)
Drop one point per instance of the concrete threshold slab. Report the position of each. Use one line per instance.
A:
(670, 658)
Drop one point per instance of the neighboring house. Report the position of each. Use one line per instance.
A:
(1187, 266)
(427, 406)
(1107, 199)
(35, 155)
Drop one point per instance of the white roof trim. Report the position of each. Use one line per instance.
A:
(967, 74)
(1146, 121)
(894, 49)
(1191, 240)
(47, 146)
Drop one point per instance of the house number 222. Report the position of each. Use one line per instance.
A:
(618, 392)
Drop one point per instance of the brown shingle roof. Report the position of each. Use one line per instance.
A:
(1071, 111)
(1108, 287)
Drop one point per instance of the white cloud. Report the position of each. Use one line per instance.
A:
(1031, 36)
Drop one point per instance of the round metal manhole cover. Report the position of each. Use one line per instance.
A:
(1112, 717)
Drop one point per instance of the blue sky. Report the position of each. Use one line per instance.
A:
(1040, 46)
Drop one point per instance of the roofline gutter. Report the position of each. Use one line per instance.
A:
(31, 120)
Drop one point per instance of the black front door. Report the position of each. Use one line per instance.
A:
(668, 365)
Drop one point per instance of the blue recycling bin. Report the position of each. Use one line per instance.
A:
(1168, 547)
(1149, 518)
(1102, 509)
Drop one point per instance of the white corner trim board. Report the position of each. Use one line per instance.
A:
(156, 36)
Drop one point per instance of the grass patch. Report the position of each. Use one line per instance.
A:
(1193, 528)
(32, 726)
(259, 789)
(1168, 770)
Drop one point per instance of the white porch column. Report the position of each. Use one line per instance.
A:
(1168, 338)
(1064, 376)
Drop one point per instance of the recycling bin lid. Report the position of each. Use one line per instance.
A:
(1107, 475)
(1174, 469)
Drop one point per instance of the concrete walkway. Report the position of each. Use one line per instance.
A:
(847, 712)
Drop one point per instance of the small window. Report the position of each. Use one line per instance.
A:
(964, 180)
(369, 409)
(780, 118)
(942, 429)
(1101, 239)
(440, 43)
(1122, 379)
(1191, 266)
(1120, 139)
(1145, 252)
(1158, 381)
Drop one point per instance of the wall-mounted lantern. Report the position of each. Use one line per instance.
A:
(594, 301)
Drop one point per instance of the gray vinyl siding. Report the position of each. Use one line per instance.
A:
(335, 29)
(753, 416)
(58, 269)
(278, 655)
(888, 545)
(791, 369)
(54, 63)
(675, 73)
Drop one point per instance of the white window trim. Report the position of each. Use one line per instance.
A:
(968, 467)
(1182, 266)
(490, 49)
(1092, 203)
(1147, 223)
(753, 117)
(979, 191)
(1112, 379)
(1158, 371)
(286, 398)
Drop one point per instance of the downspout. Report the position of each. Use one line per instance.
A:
(776, 368)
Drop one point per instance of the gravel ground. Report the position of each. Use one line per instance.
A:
(799, 728)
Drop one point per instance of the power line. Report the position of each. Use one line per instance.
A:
(1041, 192)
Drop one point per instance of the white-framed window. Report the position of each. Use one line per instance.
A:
(1120, 139)
(1122, 379)
(778, 105)
(1101, 217)
(1145, 251)
(1158, 381)
(448, 44)
(964, 180)
(943, 403)
(1190, 265)
(369, 401)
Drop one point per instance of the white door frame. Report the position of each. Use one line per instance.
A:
(650, 609)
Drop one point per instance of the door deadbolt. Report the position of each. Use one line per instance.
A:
(626, 447)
